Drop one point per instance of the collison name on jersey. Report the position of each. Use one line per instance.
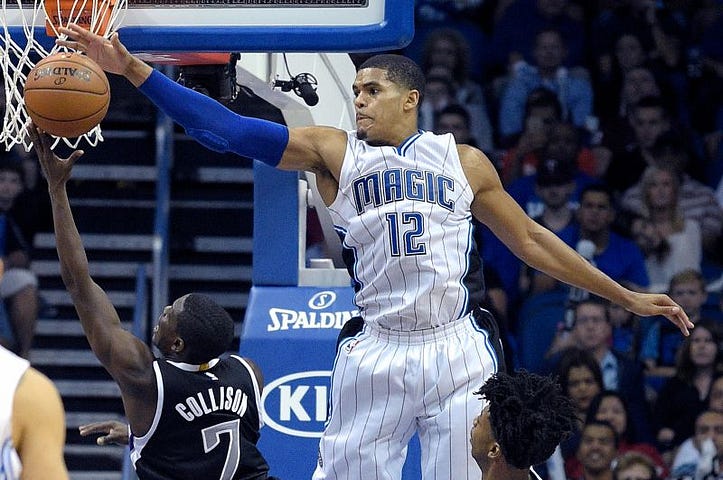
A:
(212, 400)
(395, 184)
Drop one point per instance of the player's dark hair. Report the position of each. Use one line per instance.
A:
(529, 415)
(400, 70)
(205, 327)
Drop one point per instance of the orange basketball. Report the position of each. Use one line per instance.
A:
(67, 94)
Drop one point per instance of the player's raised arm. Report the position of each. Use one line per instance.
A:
(208, 121)
(543, 250)
(125, 357)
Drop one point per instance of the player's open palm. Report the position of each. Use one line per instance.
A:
(56, 170)
(110, 54)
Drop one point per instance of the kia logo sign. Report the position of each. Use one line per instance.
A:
(296, 404)
(322, 300)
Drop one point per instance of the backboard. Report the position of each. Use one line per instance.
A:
(256, 25)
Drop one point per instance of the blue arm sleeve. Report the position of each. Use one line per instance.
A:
(215, 126)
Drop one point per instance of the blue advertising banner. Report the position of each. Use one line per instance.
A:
(291, 332)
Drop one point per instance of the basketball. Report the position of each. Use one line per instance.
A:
(67, 94)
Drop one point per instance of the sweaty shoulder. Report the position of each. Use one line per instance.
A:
(480, 172)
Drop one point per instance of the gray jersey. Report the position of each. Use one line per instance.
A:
(404, 217)
(12, 369)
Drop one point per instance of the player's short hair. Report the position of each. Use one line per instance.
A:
(205, 327)
(400, 70)
(529, 415)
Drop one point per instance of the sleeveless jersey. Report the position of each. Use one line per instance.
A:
(12, 369)
(403, 215)
(206, 424)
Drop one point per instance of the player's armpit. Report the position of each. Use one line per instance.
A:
(315, 149)
(39, 428)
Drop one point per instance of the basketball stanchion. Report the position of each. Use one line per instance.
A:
(24, 42)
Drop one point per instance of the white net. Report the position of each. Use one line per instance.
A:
(24, 41)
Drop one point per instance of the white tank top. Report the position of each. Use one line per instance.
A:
(12, 369)
(403, 214)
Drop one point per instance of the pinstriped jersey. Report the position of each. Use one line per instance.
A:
(403, 215)
(12, 369)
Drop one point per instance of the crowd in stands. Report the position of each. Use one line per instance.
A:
(604, 120)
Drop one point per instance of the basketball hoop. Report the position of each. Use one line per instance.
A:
(23, 43)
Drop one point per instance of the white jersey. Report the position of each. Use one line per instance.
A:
(12, 369)
(404, 217)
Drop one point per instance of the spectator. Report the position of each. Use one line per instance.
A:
(660, 191)
(617, 133)
(696, 200)
(592, 331)
(627, 54)
(581, 379)
(514, 34)
(454, 119)
(572, 89)
(658, 30)
(438, 93)
(700, 455)
(542, 110)
(715, 399)
(31, 209)
(627, 331)
(618, 257)
(610, 406)
(634, 466)
(685, 395)
(660, 344)
(563, 148)
(649, 119)
(447, 50)
(19, 285)
(554, 185)
(598, 448)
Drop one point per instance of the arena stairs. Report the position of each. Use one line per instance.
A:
(112, 192)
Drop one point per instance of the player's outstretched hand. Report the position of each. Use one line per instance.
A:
(56, 170)
(111, 432)
(648, 304)
(110, 54)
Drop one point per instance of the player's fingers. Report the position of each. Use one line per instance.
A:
(74, 156)
(95, 427)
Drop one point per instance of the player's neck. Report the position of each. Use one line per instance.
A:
(499, 471)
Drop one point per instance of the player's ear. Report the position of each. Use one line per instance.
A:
(178, 345)
(495, 452)
(412, 100)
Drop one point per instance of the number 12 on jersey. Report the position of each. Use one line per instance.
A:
(404, 236)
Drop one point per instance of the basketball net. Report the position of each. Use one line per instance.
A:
(20, 53)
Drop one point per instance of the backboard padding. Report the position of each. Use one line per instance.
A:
(186, 26)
